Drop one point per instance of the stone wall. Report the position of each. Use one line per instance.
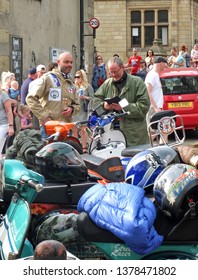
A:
(43, 25)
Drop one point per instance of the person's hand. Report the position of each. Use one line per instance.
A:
(116, 107)
(67, 112)
(107, 106)
(11, 130)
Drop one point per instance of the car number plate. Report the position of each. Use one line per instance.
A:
(180, 104)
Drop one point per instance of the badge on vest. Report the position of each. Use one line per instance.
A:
(54, 94)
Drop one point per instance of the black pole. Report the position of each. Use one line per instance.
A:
(82, 58)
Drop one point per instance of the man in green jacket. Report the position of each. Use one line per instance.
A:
(134, 90)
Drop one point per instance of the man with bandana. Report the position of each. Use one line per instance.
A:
(53, 96)
(134, 90)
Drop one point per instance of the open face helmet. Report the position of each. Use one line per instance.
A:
(60, 162)
(176, 188)
(145, 166)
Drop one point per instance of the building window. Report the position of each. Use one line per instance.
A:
(150, 34)
(147, 25)
(149, 17)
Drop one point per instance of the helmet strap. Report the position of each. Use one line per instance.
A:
(190, 214)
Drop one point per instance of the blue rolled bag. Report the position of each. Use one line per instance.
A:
(124, 210)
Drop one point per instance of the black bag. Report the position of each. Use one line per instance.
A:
(85, 105)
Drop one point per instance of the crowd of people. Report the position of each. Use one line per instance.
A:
(50, 93)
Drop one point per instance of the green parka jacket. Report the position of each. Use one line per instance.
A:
(133, 125)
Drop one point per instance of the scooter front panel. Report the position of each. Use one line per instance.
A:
(14, 228)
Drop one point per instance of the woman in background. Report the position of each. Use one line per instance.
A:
(6, 119)
(150, 58)
(85, 93)
(100, 73)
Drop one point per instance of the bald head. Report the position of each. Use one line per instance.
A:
(65, 61)
(50, 250)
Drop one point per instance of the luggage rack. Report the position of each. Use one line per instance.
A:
(164, 124)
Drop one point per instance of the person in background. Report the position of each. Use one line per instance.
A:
(182, 52)
(100, 73)
(53, 96)
(133, 62)
(85, 93)
(14, 93)
(133, 89)
(6, 119)
(52, 65)
(32, 75)
(50, 250)
(187, 57)
(6, 79)
(150, 58)
(154, 87)
(40, 71)
(194, 56)
(142, 71)
(176, 60)
(117, 55)
(25, 117)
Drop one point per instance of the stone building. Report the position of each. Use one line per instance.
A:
(125, 24)
(34, 32)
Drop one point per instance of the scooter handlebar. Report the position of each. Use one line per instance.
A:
(122, 114)
(82, 122)
(35, 185)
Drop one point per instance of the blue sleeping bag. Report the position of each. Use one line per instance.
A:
(124, 210)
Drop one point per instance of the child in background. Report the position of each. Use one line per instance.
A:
(14, 92)
(26, 119)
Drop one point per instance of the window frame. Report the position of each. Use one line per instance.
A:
(141, 42)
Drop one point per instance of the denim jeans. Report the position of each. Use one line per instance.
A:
(43, 132)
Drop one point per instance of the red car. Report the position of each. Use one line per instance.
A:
(180, 89)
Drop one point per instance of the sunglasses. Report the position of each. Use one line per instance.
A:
(77, 77)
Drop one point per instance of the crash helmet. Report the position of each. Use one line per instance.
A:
(60, 162)
(176, 188)
(59, 225)
(145, 166)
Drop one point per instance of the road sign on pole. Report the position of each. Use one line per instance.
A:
(94, 23)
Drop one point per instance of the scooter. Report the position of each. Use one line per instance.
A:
(179, 229)
(106, 140)
(25, 184)
(14, 225)
(64, 193)
(61, 131)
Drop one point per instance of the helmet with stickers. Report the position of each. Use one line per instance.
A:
(145, 166)
(176, 189)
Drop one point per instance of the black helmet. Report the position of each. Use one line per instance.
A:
(60, 162)
(145, 166)
(175, 188)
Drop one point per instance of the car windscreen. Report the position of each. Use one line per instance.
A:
(179, 85)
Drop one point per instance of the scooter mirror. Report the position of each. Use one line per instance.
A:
(123, 102)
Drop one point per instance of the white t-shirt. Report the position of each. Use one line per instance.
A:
(153, 78)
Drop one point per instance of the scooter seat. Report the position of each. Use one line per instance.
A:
(132, 151)
(92, 233)
(110, 169)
